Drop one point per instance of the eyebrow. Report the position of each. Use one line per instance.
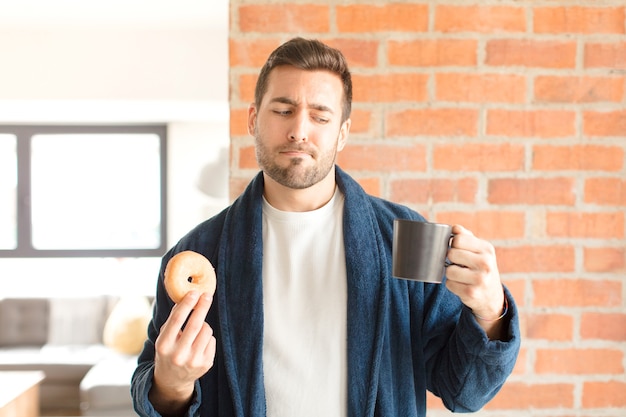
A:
(286, 100)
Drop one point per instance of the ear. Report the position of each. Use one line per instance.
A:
(343, 134)
(251, 118)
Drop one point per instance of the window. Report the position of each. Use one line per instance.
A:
(82, 191)
(8, 191)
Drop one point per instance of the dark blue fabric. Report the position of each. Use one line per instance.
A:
(404, 337)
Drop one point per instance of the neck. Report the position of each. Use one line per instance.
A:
(307, 199)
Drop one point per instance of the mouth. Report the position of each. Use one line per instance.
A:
(295, 153)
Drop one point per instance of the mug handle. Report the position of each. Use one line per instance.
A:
(447, 263)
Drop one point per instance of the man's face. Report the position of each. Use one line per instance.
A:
(297, 127)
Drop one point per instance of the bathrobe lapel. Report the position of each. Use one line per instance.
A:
(240, 299)
(368, 293)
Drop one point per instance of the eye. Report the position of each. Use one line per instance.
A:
(321, 120)
(282, 112)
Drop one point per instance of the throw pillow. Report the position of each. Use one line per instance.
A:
(126, 329)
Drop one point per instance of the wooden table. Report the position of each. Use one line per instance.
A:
(19, 393)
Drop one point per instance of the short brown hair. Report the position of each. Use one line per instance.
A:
(307, 54)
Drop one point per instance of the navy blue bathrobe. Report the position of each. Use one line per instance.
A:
(404, 337)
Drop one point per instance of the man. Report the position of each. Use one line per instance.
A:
(306, 319)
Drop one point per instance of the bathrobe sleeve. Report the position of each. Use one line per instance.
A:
(464, 368)
(202, 239)
(141, 381)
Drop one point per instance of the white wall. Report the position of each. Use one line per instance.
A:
(197, 175)
(111, 64)
(104, 67)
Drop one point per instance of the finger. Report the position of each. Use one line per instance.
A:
(456, 286)
(465, 239)
(475, 261)
(203, 338)
(196, 320)
(179, 314)
(457, 229)
(211, 347)
(465, 245)
(203, 348)
(462, 239)
(462, 274)
(209, 352)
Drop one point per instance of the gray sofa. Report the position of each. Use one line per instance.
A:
(64, 339)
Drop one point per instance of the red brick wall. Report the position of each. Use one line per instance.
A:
(509, 118)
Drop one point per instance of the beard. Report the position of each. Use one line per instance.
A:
(295, 175)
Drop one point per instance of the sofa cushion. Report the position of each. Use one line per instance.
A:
(23, 322)
(77, 321)
(107, 385)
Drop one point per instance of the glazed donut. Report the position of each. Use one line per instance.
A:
(186, 271)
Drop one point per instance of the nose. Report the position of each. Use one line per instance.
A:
(298, 129)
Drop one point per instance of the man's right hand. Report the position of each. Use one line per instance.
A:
(182, 355)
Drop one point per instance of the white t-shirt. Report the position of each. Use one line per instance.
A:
(304, 304)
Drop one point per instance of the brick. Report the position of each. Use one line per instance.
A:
(237, 185)
(481, 157)
(483, 19)
(294, 18)
(605, 191)
(238, 122)
(393, 17)
(604, 260)
(569, 89)
(532, 191)
(361, 121)
(247, 84)
(603, 326)
(605, 55)
(383, 158)
(433, 52)
(552, 327)
(434, 190)
(480, 88)
(579, 361)
(520, 364)
(537, 258)
(588, 20)
(250, 52)
(605, 225)
(432, 122)
(358, 52)
(371, 185)
(604, 394)
(578, 158)
(247, 158)
(389, 87)
(576, 293)
(531, 123)
(488, 224)
(608, 123)
(517, 287)
(531, 53)
(523, 396)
